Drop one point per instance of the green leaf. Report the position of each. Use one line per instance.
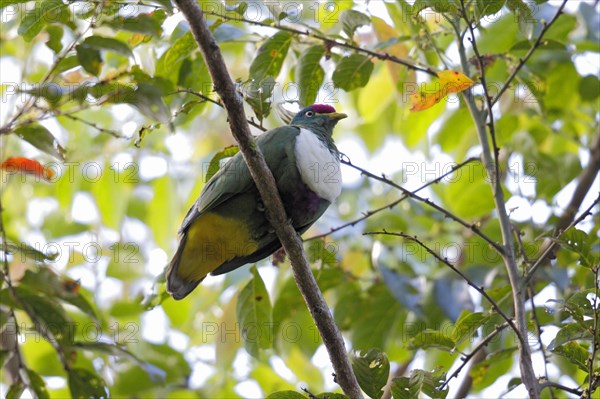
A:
(162, 212)
(372, 369)
(67, 63)
(524, 15)
(41, 138)
(469, 195)
(238, 8)
(294, 327)
(85, 384)
(352, 20)
(420, 381)
(6, 3)
(441, 6)
(112, 191)
(579, 306)
(166, 4)
(352, 72)
(27, 252)
(579, 242)
(497, 364)
(47, 11)
(254, 315)
(50, 314)
(45, 281)
(310, 74)
(142, 23)
(215, 162)
(89, 58)
(55, 34)
(467, 324)
(575, 353)
(259, 95)
(588, 88)
(286, 395)
(373, 317)
(320, 250)
(107, 43)
(170, 62)
(108, 349)
(429, 338)
(16, 390)
(569, 333)
(547, 44)
(270, 56)
(488, 7)
(38, 385)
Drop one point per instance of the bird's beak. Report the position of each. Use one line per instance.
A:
(337, 115)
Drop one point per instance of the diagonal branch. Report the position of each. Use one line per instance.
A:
(432, 204)
(445, 261)
(533, 48)
(391, 205)
(554, 242)
(329, 42)
(267, 188)
(478, 349)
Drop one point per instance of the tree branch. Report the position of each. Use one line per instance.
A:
(585, 181)
(457, 271)
(432, 204)
(554, 242)
(478, 349)
(509, 257)
(524, 60)
(404, 196)
(330, 42)
(267, 188)
(549, 384)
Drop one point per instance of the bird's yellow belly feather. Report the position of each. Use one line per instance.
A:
(212, 240)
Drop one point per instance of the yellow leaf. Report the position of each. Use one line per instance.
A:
(432, 93)
(454, 81)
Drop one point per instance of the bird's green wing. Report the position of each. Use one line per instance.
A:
(277, 146)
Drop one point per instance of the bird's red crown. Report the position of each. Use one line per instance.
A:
(323, 108)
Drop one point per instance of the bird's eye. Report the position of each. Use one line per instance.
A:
(309, 113)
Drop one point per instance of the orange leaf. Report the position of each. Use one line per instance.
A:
(29, 166)
(432, 93)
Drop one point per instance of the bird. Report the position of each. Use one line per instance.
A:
(227, 226)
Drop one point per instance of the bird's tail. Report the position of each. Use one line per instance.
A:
(178, 287)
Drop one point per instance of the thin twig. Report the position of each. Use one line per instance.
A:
(538, 330)
(550, 384)
(432, 204)
(466, 358)
(533, 48)
(392, 204)
(267, 187)
(329, 42)
(445, 261)
(9, 126)
(554, 242)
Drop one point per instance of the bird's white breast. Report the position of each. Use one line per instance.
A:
(318, 167)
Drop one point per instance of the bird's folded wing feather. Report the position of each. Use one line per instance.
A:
(234, 177)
